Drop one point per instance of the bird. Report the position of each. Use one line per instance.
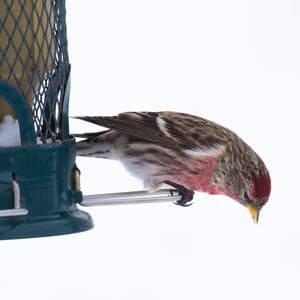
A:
(187, 152)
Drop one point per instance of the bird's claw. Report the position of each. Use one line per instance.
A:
(186, 194)
(183, 205)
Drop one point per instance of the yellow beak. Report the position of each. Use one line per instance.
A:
(254, 211)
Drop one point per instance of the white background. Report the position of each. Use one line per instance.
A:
(234, 62)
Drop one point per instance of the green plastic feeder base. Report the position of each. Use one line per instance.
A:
(45, 176)
(56, 224)
(38, 180)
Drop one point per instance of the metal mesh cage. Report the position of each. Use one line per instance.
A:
(34, 59)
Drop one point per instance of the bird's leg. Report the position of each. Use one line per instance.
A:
(186, 194)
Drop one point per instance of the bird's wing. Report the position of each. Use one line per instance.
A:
(168, 129)
(140, 125)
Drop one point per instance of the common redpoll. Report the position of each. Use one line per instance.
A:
(185, 151)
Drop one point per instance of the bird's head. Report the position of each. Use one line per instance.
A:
(248, 182)
(255, 193)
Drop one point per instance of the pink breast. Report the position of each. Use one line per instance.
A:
(197, 175)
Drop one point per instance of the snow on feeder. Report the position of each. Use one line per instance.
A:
(37, 194)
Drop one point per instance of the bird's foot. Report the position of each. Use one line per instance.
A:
(186, 194)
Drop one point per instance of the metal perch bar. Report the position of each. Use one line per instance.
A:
(166, 195)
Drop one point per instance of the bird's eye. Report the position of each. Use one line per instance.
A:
(247, 198)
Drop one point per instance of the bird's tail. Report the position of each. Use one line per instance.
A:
(95, 144)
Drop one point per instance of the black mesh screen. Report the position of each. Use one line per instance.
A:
(34, 59)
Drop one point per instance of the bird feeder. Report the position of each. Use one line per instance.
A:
(39, 181)
(37, 194)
